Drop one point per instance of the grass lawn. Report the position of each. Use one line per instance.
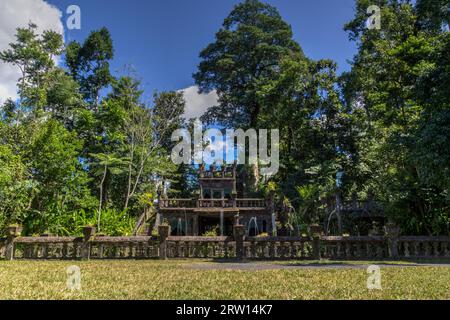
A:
(177, 279)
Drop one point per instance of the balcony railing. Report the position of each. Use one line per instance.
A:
(213, 203)
(217, 174)
(177, 203)
(251, 203)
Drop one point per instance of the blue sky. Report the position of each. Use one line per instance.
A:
(162, 38)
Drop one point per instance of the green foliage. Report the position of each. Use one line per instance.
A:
(89, 64)
(397, 93)
(64, 223)
(213, 232)
(246, 53)
(70, 156)
(15, 188)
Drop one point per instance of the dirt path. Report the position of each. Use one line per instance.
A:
(254, 266)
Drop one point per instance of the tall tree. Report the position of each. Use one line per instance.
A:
(89, 64)
(385, 92)
(246, 54)
(34, 55)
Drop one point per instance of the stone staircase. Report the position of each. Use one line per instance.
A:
(143, 225)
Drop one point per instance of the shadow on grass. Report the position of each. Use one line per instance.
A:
(289, 263)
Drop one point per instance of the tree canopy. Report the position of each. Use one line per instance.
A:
(81, 145)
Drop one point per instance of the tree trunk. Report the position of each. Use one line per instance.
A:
(101, 197)
(127, 199)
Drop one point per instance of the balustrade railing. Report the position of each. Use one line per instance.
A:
(278, 248)
(215, 203)
(315, 247)
(424, 247)
(349, 248)
(221, 173)
(76, 248)
(212, 203)
(124, 248)
(251, 203)
(48, 248)
(177, 203)
(201, 247)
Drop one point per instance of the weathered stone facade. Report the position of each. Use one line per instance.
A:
(216, 206)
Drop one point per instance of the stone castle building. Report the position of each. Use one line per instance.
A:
(217, 207)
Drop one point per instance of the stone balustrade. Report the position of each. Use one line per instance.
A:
(213, 203)
(252, 203)
(278, 248)
(201, 247)
(423, 247)
(349, 248)
(316, 246)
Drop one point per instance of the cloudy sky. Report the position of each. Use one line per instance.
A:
(161, 39)
(14, 14)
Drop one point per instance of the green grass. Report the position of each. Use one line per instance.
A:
(177, 279)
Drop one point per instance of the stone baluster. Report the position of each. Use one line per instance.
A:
(294, 249)
(163, 234)
(406, 248)
(88, 233)
(391, 233)
(239, 233)
(427, 247)
(348, 251)
(436, 249)
(316, 231)
(12, 233)
(253, 249)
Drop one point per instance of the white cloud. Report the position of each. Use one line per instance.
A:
(197, 104)
(18, 13)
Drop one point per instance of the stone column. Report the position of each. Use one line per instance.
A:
(12, 233)
(316, 232)
(273, 226)
(163, 234)
(239, 233)
(234, 198)
(88, 233)
(195, 225)
(221, 223)
(392, 233)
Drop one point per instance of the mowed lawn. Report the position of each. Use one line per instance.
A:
(201, 280)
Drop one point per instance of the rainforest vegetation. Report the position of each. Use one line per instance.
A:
(83, 146)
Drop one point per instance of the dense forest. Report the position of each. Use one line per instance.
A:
(81, 146)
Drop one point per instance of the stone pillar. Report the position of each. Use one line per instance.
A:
(273, 226)
(12, 233)
(234, 199)
(88, 233)
(239, 233)
(316, 232)
(392, 233)
(221, 223)
(163, 234)
(195, 225)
